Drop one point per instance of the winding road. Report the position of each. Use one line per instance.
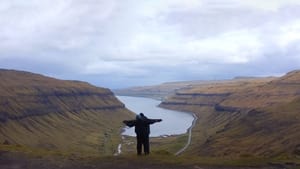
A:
(190, 136)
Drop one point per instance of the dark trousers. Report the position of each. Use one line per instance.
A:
(142, 141)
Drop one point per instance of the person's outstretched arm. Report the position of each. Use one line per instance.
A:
(129, 123)
(152, 121)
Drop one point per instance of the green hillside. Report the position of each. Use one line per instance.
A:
(44, 114)
(253, 119)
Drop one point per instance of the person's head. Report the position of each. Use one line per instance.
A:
(140, 116)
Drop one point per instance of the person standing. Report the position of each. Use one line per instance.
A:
(142, 130)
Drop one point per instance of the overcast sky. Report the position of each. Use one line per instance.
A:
(120, 43)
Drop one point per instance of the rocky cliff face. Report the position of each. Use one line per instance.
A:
(43, 112)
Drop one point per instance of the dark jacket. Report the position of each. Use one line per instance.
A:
(142, 124)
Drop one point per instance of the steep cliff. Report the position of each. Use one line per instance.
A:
(39, 112)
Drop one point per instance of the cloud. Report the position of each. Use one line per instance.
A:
(273, 5)
(130, 40)
(289, 33)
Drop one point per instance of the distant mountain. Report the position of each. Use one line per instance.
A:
(46, 114)
(164, 90)
(255, 118)
(156, 91)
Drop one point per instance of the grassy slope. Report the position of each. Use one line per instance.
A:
(270, 130)
(47, 115)
(10, 160)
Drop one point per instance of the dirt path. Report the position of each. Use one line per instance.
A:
(190, 135)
